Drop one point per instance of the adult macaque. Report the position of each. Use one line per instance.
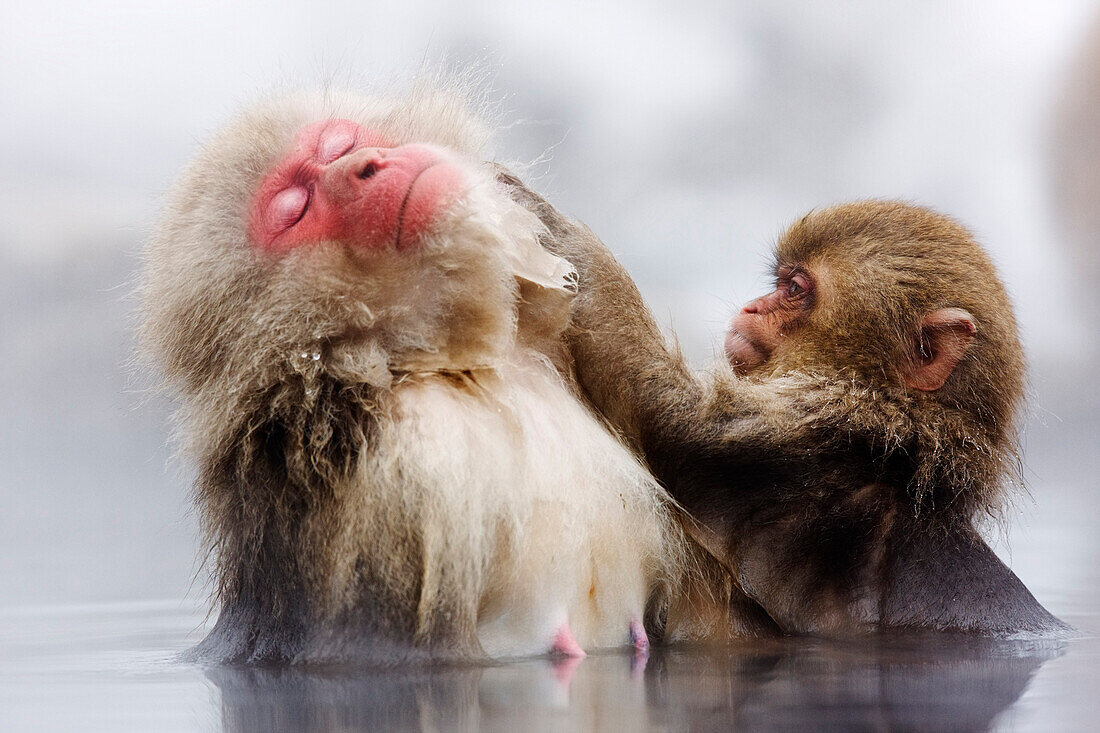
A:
(872, 418)
(364, 330)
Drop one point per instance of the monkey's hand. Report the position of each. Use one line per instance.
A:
(622, 360)
(569, 239)
(597, 268)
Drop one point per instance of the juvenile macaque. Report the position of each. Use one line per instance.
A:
(871, 419)
(364, 331)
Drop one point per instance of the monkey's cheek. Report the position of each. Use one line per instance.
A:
(434, 192)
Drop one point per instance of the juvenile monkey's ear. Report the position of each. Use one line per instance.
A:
(944, 337)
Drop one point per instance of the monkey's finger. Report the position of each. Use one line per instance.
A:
(554, 220)
(516, 188)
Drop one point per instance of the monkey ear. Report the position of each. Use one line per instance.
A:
(945, 335)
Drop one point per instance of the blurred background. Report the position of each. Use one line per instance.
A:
(686, 134)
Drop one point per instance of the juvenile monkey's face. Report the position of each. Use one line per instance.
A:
(764, 327)
(344, 182)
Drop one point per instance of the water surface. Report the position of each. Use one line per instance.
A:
(116, 667)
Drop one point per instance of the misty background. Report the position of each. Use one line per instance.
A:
(686, 134)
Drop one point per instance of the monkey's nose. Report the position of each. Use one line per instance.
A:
(363, 163)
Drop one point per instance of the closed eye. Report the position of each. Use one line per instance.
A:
(288, 207)
(335, 143)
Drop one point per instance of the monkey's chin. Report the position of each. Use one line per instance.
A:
(742, 354)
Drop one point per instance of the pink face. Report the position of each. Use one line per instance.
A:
(763, 326)
(346, 183)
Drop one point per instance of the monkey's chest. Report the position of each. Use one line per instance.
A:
(523, 505)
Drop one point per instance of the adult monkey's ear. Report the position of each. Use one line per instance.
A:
(944, 337)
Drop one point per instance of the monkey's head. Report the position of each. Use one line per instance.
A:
(359, 236)
(897, 301)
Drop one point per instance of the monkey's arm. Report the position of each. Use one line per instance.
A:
(704, 443)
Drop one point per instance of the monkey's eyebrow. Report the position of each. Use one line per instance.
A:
(783, 268)
(777, 262)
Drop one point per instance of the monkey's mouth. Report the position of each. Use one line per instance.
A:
(405, 205)
(743, 353)
(432, 192)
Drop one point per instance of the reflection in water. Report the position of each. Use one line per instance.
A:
(934, 683)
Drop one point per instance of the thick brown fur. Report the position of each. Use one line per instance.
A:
(840, 499)
(390, 465)
(887, 264)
